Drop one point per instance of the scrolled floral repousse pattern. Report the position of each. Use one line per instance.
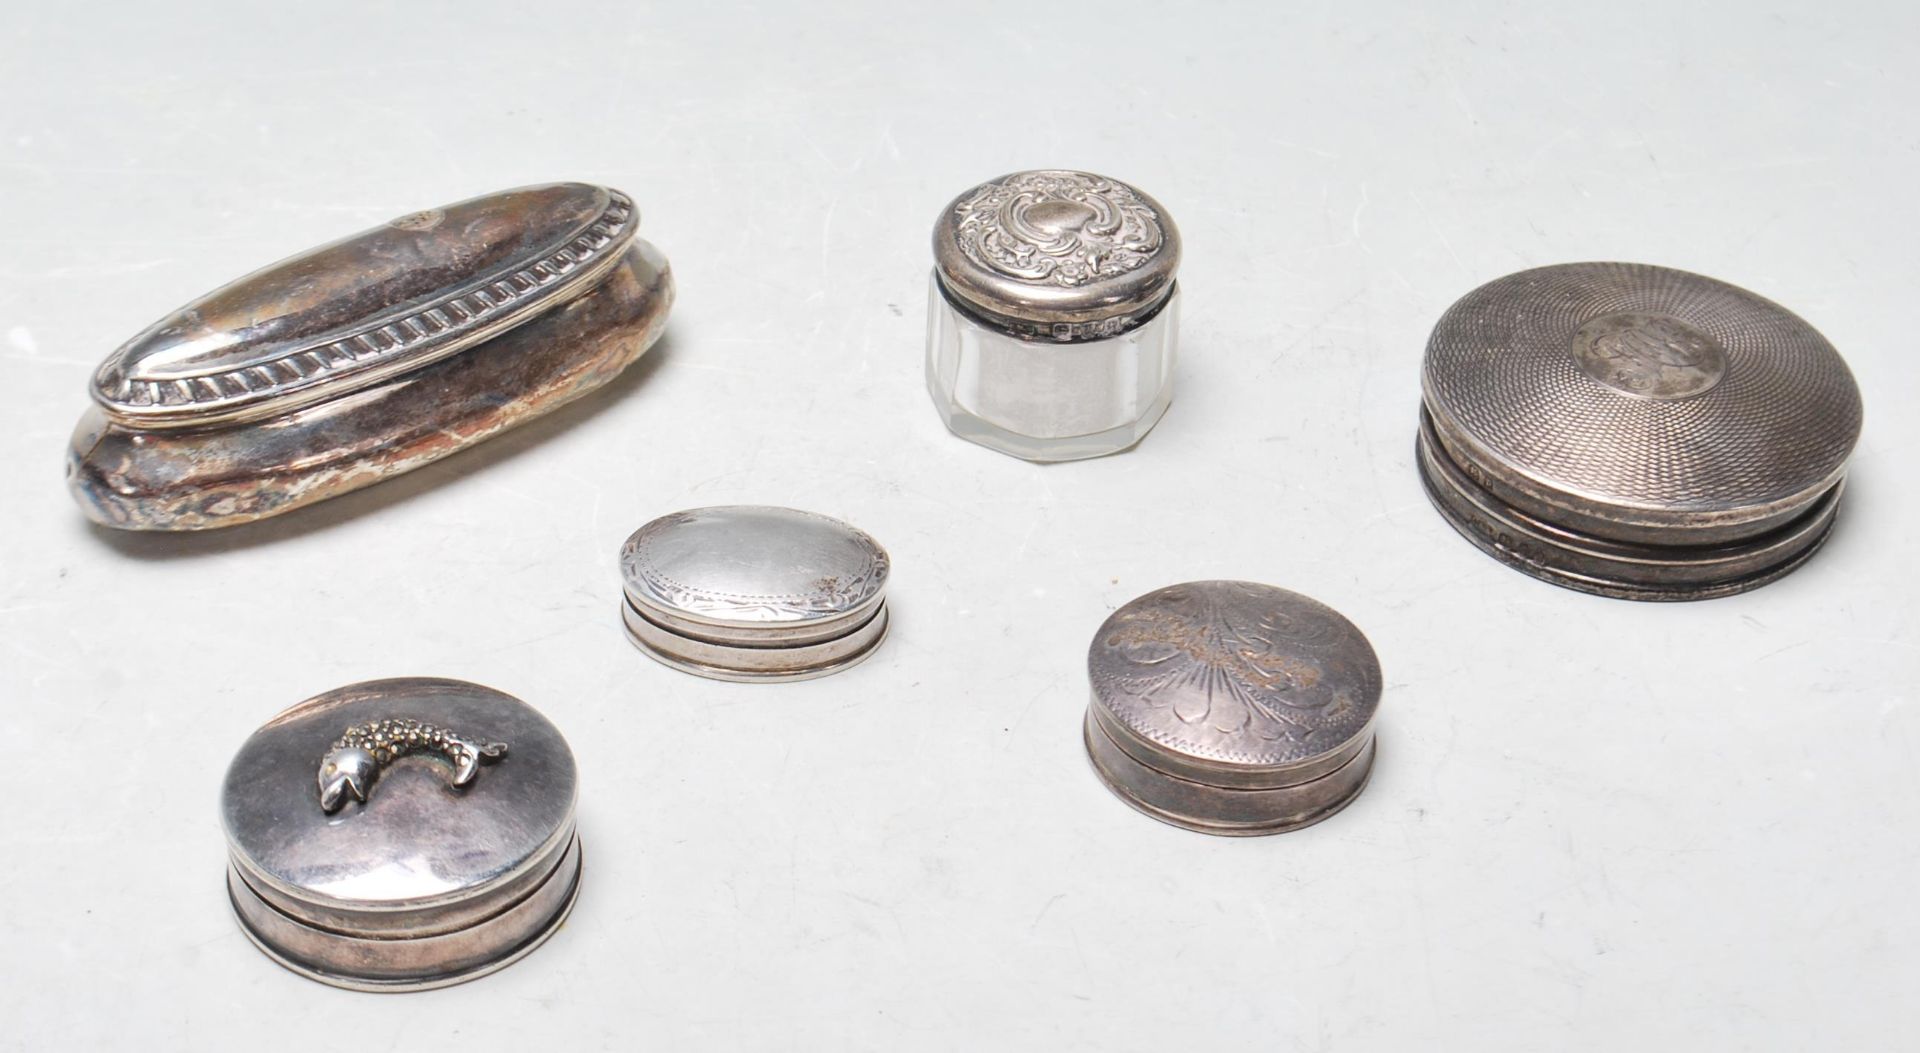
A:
(1057, 228)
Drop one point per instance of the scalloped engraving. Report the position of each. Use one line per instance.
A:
(825, 568)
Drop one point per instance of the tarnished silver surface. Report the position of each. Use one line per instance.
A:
(420, 963)
(435, 878)
(1057, 254)
(381, 302)
(1635, 431)
(1052, 322)
(1231, 707)
(1624, 570)
(751, 592)
(297, 382)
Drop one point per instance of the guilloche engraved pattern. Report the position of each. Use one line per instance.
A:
(1057, 228)
(1642, 387)
(849, 570)
(1235, 671)
(449, 321)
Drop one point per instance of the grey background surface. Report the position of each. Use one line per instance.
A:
(1594, 825)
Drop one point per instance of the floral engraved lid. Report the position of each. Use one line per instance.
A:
(1234, 683)
(1056, 246)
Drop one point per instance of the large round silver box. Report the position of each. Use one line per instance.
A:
(1635, 431)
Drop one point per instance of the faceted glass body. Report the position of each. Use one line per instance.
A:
(1046, 401)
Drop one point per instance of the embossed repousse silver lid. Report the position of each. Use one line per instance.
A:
(1057, 251)
(1586, 421)
(750, 592)
(402, 834)
(1232, 707)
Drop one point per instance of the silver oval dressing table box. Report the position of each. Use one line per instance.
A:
(1635, 431)
(754, 593)
(1234, 708)
(1052, 315)
(402, 834)
(369, 357)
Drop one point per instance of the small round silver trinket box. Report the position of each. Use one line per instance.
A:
(1234, 708)
(1635, 431)
(1052, 316)
(754, 593)
(398, 835)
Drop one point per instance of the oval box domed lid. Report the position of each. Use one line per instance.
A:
(755, 573)
(382, 302)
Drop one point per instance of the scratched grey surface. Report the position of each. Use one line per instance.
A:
(1594, 824)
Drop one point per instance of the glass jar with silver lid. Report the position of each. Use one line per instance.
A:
(754, 593)
(1053, 316)
(402, 834)
(1229, 707)
(1635, 431)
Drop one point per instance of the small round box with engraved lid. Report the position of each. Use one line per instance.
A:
(1230, 707)
(1635, 431)
(398, 835)
(1053, 315)
(754, 593)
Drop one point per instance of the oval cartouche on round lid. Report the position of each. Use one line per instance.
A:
(754, 593)
(402, 834)
(368, 357)
(1635, 431)
(1230, 707)
(1053, 314)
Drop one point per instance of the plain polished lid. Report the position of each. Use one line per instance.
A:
(416, 842)
(1236, 678)
(1056, 246)
(754, 569)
